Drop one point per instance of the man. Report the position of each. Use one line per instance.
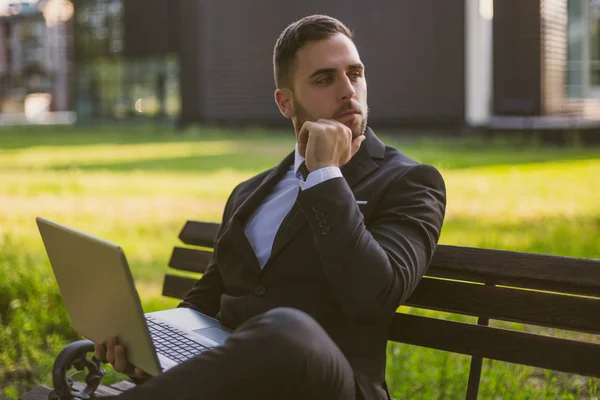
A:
(309, 269)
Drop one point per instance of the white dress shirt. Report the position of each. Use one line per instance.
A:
(264, 223)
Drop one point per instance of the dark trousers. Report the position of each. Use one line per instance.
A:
(281, 354)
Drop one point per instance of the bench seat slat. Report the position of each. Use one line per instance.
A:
(545, 309)
(38, 393)
(190, 259)
(499, 344)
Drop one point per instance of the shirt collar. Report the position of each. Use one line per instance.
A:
(298, 160)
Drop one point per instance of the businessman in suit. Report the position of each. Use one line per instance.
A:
(315, 255)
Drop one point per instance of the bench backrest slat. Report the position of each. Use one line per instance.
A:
(196, 261)
(498, 344)
(501, 267)
(190, 259)
(197, 233)
(525, 306)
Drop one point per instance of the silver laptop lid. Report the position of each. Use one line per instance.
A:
(98, 291)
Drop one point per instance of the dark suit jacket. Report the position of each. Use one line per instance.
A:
(347, 265)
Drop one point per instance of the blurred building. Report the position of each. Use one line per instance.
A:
(35, 66)
(455, 63)
(546, 63)
(127, 60)
(503, 64)
(414, 52)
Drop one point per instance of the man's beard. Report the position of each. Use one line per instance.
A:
(302, 116)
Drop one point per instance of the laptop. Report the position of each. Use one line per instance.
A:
(101, 299)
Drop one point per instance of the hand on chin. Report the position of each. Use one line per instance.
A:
(327, 143)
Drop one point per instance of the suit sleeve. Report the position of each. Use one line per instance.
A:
(205, 296)
(373, 269)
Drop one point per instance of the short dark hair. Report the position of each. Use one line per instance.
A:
(295, 36)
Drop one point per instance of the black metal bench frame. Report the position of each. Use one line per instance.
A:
(548, 291)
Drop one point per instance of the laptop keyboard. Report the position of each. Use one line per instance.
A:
(172, 342)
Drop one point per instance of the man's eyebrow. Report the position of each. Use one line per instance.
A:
(332, 70)
(322, 71)
(355, 66)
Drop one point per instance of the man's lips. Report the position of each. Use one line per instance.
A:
(349, 112)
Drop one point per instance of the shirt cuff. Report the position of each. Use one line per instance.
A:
(320, 176)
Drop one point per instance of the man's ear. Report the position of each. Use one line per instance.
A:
(285, 102)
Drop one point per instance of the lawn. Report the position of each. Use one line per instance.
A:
(138, 185)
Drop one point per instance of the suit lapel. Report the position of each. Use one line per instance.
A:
(296, 220)
(363, 163)
(237, 241)
(235, 230)
(251, 203)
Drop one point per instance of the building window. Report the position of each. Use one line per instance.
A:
(583, 49)
(99, 28)
(111, 85)
(117, 88)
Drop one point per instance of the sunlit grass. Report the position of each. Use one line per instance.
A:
(137, 186)
(522, 192)
(43, 157)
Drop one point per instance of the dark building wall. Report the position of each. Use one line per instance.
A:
(517, 57)
(189, 36)
(150, 27)
(236, 63)
(414, 53)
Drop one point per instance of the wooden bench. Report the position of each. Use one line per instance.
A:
(548, 291)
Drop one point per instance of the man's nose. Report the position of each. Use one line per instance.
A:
(347, 90)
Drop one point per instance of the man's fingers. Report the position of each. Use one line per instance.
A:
(121, 364)
(337, 124)
(334, 122)
(331, 122)
(140, 374)
(110, 350)
(304, 131)
(356, 142)
(100, 352)
(303, 138)
(116, 355)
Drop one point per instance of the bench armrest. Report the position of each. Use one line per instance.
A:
(74, 355)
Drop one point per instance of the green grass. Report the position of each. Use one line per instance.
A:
(138, 185)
